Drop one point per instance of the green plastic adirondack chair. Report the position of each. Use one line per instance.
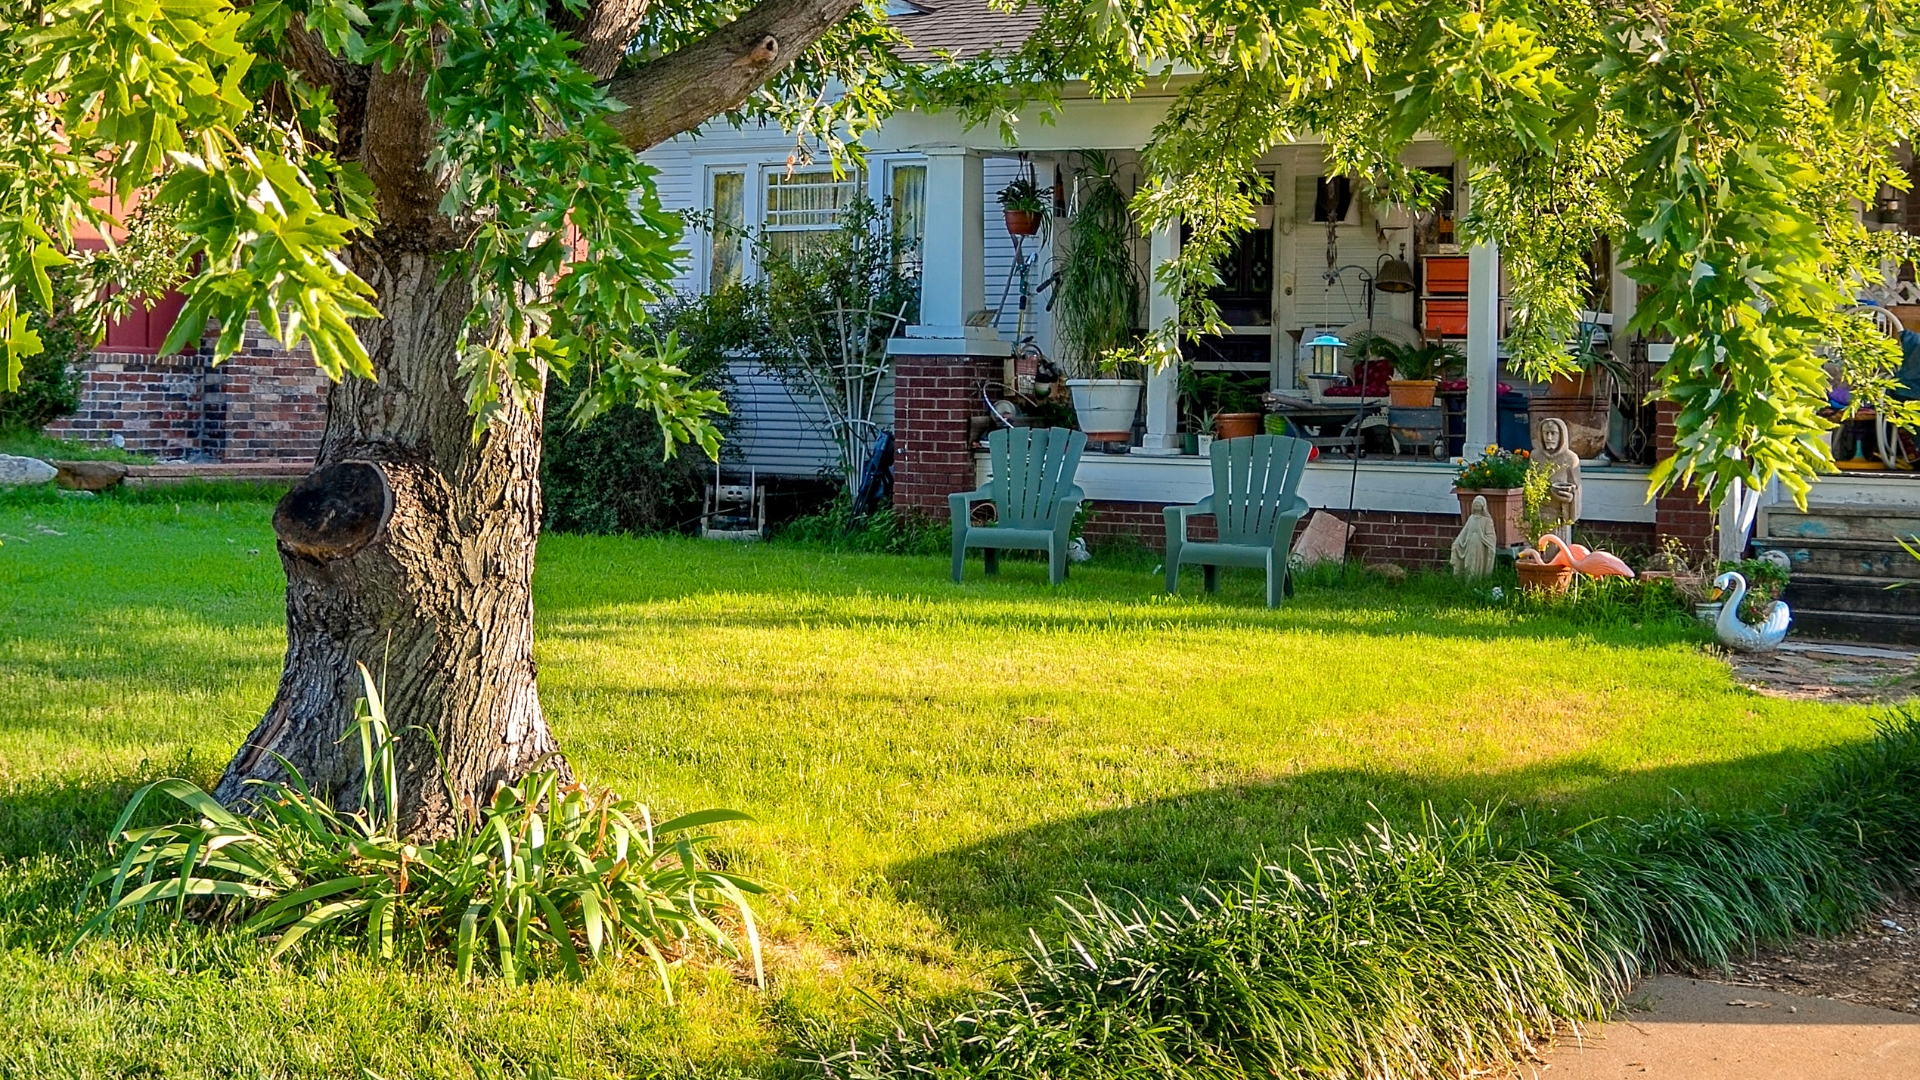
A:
(1034, 499)
(1256, 508)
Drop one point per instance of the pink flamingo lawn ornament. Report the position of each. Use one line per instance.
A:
(1585, 560)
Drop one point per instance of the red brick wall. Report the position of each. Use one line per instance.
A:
(263, 404)
(1411, 540)
(933, 399)
(1680, 513)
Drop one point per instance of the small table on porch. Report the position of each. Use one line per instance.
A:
(1345, 420)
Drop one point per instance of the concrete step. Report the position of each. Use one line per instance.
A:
(1857, 558)
(1856, 626)
(1821, 521)
(1840, 592)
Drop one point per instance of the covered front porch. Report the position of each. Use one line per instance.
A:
(1311, 267)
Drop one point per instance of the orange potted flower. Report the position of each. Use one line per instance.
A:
(1501, 476)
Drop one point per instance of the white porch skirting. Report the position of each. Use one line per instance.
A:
(1609, 493)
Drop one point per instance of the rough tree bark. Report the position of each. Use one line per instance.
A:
(410, 547)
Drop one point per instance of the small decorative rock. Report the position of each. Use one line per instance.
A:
(23, 471)
(89, 475)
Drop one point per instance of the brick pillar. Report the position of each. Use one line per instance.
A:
(933, 398)
(1679, 513)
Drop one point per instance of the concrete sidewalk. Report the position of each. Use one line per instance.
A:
(1687, 1029)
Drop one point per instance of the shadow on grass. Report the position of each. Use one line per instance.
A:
(75, 814)
(1165, 849)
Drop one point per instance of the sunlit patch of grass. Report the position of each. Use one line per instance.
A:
(929, 765)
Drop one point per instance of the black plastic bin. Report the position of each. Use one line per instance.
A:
(1516, 430)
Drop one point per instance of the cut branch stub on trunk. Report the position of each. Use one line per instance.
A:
(335, 511)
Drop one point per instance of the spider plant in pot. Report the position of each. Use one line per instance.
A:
(1096, 303)
(1023, 207)
(1418, 370)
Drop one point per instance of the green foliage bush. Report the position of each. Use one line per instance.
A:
(885, 531)
(1442, 950)
(49, 386)
(613, 475)
(548, 872)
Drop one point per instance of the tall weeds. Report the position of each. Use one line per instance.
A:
(1436, 951)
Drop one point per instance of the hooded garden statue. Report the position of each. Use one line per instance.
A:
(1563, 495)
(1473, 549)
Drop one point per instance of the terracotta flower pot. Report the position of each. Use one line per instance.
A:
(1022, 222)
(1236, 425)
(1571, 386)
(1411, 393)
(1504, 505)
(1544, 578)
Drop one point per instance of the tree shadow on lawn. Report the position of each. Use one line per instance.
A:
(1164, 849)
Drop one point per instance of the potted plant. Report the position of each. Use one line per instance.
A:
(1551, 579)
(1234, 407)
(1097, 303)
(1501, 476)
(1420, 369)
(1023, 207)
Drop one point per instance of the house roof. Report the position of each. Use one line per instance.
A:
(965, 28)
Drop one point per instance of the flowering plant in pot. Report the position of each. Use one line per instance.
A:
(1023, 207)
(1501, 476)
(1419, 369)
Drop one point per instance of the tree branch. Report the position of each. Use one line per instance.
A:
(603, 31)
(683, 89)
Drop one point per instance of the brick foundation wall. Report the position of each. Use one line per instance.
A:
(1679, 513)
(933, 399)
(263, 404)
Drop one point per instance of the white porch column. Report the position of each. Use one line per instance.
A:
(1483, 348)
(1163, 385)
(953, 259)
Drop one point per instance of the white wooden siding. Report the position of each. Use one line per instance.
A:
(780, 432)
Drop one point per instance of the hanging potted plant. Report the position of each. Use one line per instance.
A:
(1501, 476)
(1097, 303)
(1023, 207)
(1419, 369)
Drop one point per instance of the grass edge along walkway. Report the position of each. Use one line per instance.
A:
(1435, 950)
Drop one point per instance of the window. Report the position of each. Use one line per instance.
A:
(727, 239)
(907, 202)
(803, 205)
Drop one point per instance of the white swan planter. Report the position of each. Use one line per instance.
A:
(1735, 634)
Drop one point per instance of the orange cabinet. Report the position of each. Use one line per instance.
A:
(1446, 317)
(1446, 275)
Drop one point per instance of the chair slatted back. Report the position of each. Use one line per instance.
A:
(1032, 471)
(1254, 481)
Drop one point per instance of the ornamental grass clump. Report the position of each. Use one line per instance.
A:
(1411, 953)
(547, 875)
(1446, 950)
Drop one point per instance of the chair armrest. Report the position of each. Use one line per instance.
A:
(1177, 516)
(1200, 509)
(960, 506)
(1068, 506)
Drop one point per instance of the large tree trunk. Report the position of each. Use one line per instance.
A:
(410, 549)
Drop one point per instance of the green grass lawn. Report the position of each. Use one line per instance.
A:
(930, 765)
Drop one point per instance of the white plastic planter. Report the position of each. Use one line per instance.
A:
(1105, 407)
